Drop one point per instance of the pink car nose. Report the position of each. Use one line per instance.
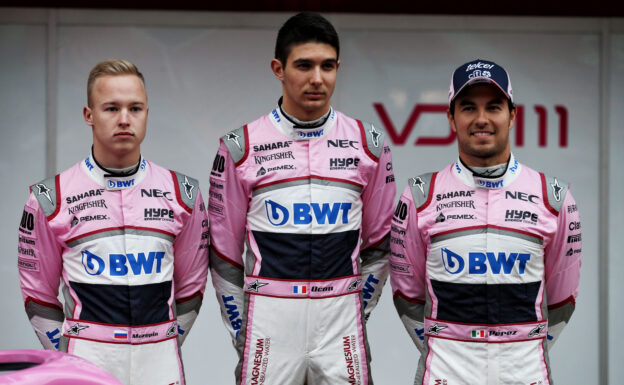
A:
(47, 367)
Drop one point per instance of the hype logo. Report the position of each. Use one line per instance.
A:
(275, 211)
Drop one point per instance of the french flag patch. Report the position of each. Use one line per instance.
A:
(300, 289)
(120, 335)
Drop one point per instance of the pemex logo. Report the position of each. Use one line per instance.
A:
(453, 263)
(276, 213)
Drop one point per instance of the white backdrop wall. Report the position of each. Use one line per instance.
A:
(207, 73)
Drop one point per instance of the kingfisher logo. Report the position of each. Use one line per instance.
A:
(481, 263)
(305, 213)
(118, 263)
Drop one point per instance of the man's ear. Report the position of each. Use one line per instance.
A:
(278, 69)
(87, 113)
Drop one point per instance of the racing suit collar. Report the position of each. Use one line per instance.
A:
(296, 129)
(113, 180)
(471, 179)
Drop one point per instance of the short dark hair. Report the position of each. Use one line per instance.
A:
(302, 28)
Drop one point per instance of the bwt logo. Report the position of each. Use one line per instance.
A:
(118, 263)
(478, 262)
(303, 213)
(120, 183)
(399, 138)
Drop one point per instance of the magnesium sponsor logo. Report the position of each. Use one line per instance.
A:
(574, 225)
(343, 143)
(455, 194)
(521, 216)
(400, 268)
(272, 146)
(305, 213)
(260, 360)
(260, 159)
(140, 263)
(352, 359)
(519, 195)
(455, 204)
(343, 163)
(100, 203)
(87, 194)
(574, 238)
(156, 193)
(572, 209)
(158, 214)
(481, 263)
(218, 166)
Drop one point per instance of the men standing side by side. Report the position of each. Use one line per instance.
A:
(310, 191)
(127, 238)
(486, 253)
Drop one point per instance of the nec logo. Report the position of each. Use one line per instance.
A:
(521, 196)
(342, 143)
(118, 263)
(304, 213)
(156, 193)
(478, 262)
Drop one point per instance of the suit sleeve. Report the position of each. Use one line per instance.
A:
(227, 210)
(377, 199)
(191, 267)
(563, 268)
(407, 268)
(40, 265)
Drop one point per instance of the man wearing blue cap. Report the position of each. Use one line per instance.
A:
(486, 253)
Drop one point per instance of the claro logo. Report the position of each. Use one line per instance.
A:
(481, 263)
(123, 264)
(399, 137)
(305, 213)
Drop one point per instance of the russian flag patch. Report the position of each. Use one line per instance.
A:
(120, 335)
(300, 289)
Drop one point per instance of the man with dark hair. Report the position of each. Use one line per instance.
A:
(486, 253)
(310, 191)
(127, 238)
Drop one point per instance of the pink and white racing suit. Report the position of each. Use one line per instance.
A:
(485, 273)
(313, 205)
(131, 253)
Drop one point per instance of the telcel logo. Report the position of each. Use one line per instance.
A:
(303, 213)
(478, 262)
(118, 263)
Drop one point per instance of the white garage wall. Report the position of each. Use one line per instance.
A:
(207, 73)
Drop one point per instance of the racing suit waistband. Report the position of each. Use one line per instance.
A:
(285, 288)
(500, 333)
(120, 334)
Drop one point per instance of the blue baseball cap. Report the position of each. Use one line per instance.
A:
(480, 71)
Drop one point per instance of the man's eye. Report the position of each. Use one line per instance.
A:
(135, 109)
(111, 109)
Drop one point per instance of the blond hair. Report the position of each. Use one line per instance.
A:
(111, 67)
